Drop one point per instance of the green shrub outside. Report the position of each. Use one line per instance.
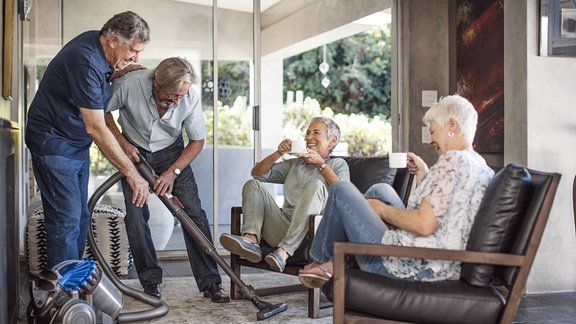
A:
(234, 124)
(365, 135)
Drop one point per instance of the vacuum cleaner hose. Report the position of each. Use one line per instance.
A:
(266, 309)
(171, 202)
(160, 307)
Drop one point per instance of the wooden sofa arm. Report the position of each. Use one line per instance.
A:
(341, 249)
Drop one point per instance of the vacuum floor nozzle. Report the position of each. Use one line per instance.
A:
(271, 310)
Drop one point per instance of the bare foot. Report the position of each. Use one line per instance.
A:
(250, 238)
(282, 253)
(316, 277)
(327, 267)
(310, 266)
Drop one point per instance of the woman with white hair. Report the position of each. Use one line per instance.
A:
(440, 211)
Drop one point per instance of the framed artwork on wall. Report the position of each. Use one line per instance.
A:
(480, 68)
(558, 28)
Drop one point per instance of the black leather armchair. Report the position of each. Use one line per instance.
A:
(495, 265)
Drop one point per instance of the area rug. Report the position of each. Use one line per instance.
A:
(187, 305)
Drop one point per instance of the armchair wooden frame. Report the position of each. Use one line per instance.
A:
(314, 307)
(523, 262)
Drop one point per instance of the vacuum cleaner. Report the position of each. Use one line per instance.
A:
(77, 291)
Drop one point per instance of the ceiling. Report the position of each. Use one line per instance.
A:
(239, 5)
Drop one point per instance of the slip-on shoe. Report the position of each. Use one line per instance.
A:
(152, 290)
(275, 262)
(216, 293)
(241, 247)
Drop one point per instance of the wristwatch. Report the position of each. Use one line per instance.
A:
(176, 170)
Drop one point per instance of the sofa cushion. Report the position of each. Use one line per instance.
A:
(498, 219)
(418, 301)
(366, 171)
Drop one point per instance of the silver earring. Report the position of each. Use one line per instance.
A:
(450, 134)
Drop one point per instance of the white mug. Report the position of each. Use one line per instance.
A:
(397, 160)
(298, 146)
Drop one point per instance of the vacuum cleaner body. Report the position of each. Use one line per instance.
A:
(74, 291)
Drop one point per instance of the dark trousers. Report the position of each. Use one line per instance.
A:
(185, 189)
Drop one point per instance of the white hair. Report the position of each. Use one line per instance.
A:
(457, 108)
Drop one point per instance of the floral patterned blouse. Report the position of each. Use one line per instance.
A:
(454, 187)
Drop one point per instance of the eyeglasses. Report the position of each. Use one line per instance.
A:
(173, 98)
(177, 97)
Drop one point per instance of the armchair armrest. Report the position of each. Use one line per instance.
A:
(341, 249)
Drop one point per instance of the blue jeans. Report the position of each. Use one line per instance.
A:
(204, 268)
(63, 184)
(349, 218)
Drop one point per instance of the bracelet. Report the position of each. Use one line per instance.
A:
(321, 168)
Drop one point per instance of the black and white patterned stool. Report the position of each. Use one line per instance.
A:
(109, 232)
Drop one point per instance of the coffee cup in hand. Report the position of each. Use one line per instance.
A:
(298, 147)
(397, 160)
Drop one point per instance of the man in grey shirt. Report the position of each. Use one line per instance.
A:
(154, 107)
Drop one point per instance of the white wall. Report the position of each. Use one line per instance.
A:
(541, 134)
(551, 146)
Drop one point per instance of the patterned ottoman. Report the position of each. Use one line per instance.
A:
(109, 232)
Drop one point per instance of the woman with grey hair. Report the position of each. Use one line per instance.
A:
(306, 179)
(440, 210)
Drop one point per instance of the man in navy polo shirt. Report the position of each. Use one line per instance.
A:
(66, 115)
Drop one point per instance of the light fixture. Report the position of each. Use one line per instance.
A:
(324, 67)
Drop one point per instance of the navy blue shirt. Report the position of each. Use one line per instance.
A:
(76, 77)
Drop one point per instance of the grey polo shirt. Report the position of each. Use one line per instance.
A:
(295, 172)
(139, 117)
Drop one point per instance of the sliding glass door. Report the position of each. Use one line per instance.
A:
(219, 44)
(242, 71)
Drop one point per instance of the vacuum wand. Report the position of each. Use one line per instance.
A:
(171, 202)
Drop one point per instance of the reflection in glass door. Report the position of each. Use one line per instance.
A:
(224, 88)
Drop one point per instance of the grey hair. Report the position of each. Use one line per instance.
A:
(457, 108)
(172, 72)
(127, 26)
(332, 128)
